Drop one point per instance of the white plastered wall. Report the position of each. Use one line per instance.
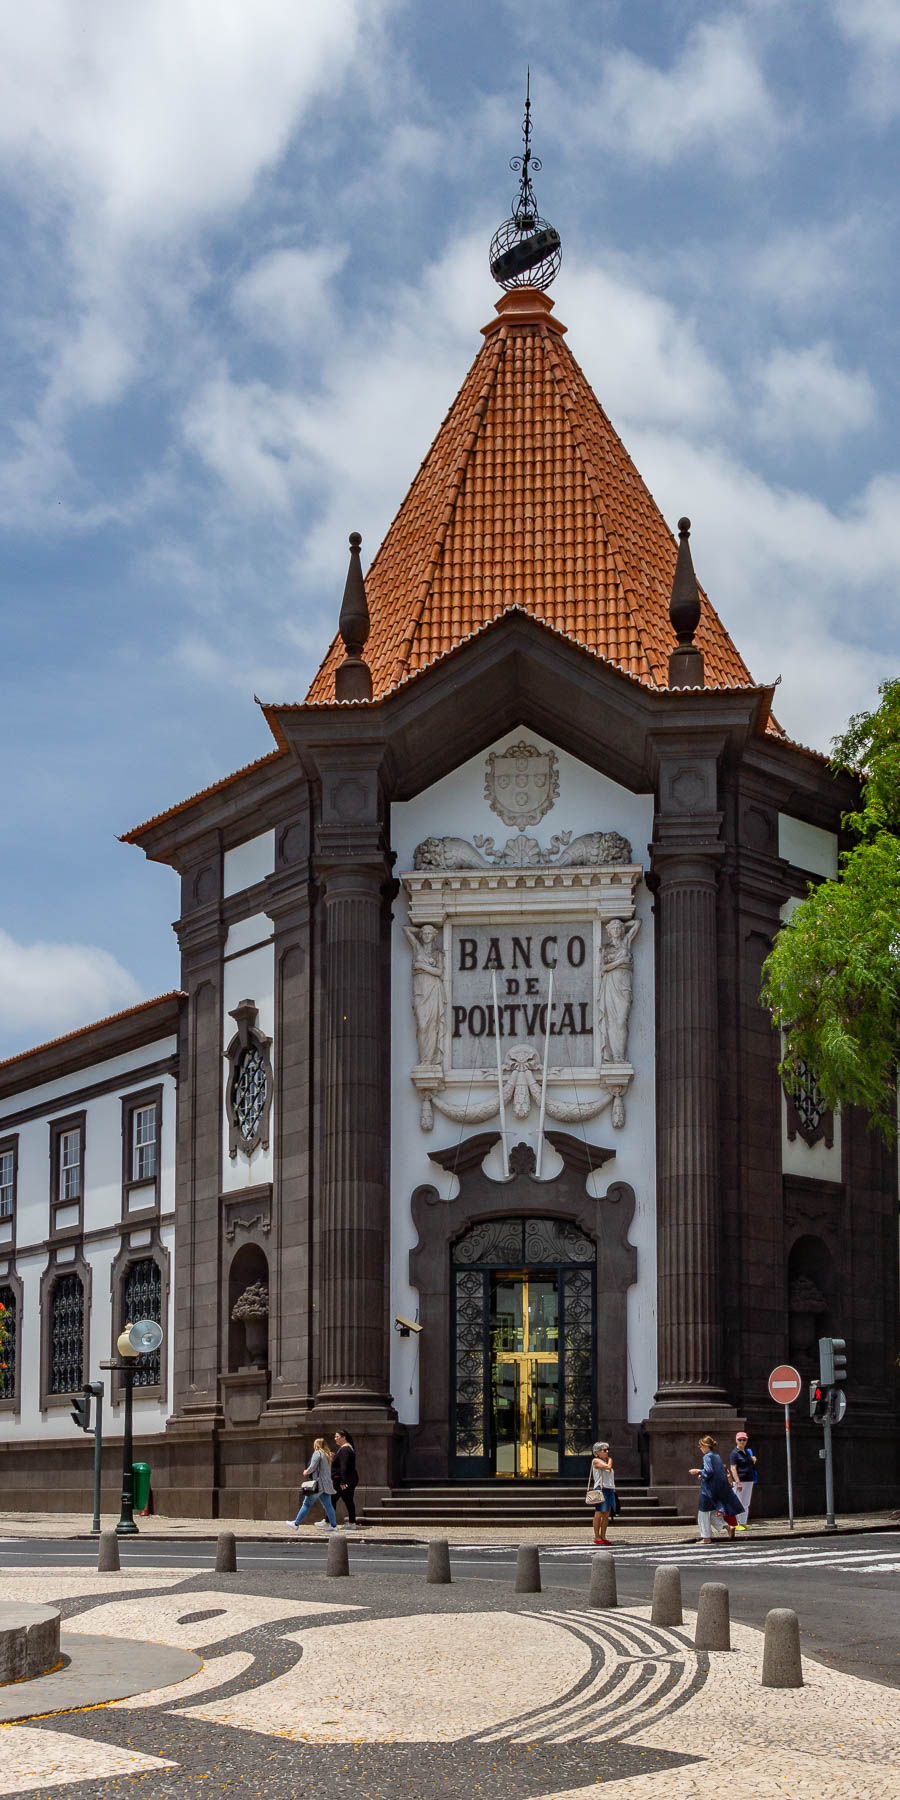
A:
(456, 807)
(101, 1214)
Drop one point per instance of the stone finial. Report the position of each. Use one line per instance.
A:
(685, 662)
(353, 677)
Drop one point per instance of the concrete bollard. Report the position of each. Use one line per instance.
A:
(108, 1552)
(666, 1609)
(713, 1626)
(603, 1580)
(338, 1558)
(226, 1553)
(782, 1662)
(438, 1561)
(528, 1569)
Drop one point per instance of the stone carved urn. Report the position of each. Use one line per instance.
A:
(251, 1309)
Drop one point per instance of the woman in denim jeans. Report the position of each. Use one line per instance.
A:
(319, 1471)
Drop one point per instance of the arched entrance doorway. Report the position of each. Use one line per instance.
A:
(524, 1400)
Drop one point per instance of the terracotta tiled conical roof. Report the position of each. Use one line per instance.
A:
(528, 498)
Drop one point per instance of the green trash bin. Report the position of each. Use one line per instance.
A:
(141, 1477)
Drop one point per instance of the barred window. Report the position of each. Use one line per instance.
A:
(249, 1092)
(248, 1095)
(142, 1299)
(143, 1143)
(7, 1183)
(8, 1348)
(70, 1165)
(66, 1335)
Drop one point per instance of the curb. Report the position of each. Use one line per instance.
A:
(372, 1536)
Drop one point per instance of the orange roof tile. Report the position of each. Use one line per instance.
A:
(528, 498)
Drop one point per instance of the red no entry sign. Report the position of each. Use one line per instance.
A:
(785, 1384)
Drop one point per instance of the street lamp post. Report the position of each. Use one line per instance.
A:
(129, 1354)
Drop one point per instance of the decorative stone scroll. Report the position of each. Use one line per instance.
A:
(485, 922)
(592, 849)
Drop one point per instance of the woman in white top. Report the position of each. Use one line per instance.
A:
(601, 1494)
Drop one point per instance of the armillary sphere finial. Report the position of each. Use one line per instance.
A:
(525, 250)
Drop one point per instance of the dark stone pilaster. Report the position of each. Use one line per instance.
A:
(290, 1272)
(355, 1209)
(353, 1160)
(688, 1155)
(686, 855)
(191, 1431)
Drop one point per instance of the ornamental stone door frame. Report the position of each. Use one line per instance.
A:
(605, 1219)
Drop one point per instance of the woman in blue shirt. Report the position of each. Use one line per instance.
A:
(716, 1493)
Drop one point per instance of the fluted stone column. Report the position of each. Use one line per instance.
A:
(686, 855)
(353, 1163)
(688, 1129)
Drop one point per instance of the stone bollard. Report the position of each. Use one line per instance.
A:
(713, 1628)
(603, 1580)
(108, 1552)
(438, 1561)
(782, 1662)
(226, 1553)
(338, 1558)
(666, 1608)
(528, 1569)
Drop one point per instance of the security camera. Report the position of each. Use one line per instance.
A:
(405, 1326)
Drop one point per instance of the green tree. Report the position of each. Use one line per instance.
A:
(832, 979)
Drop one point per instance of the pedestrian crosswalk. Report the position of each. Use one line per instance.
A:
(812, 1553)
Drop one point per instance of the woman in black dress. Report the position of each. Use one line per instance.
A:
(343, 1474)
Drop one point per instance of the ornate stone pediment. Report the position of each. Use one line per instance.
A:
(486, 929)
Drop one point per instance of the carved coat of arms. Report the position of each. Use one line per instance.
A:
(522, 784)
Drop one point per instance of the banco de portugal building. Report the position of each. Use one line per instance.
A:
(464, 1130)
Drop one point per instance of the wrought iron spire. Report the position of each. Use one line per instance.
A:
(525, 250)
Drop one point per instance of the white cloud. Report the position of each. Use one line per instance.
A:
(287, 295)
(126, 130)
(873, 27)
(713, 97)
(648, 363)
(165, 111)
(808, 267)
(805, 394)
(52, 988)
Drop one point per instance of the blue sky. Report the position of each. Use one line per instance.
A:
(244, 251)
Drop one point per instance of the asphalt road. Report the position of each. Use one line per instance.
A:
(846, 1592)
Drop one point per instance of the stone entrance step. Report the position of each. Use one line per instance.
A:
(522, 1503)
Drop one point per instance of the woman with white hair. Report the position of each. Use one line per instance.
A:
(601, 1492)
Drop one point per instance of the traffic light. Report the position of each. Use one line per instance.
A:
(832, 1361)
(818, 1402)
(81, 1410)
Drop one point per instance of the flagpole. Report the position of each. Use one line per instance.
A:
(500, 1075)
(540, 1142)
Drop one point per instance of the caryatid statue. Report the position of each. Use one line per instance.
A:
(616, 989)
(428, 1000)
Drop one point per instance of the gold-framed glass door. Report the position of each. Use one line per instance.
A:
(524, 1349)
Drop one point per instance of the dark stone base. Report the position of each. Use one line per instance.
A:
(674, 1429)
(208, 1470)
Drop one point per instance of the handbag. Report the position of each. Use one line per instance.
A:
(309, 1487)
